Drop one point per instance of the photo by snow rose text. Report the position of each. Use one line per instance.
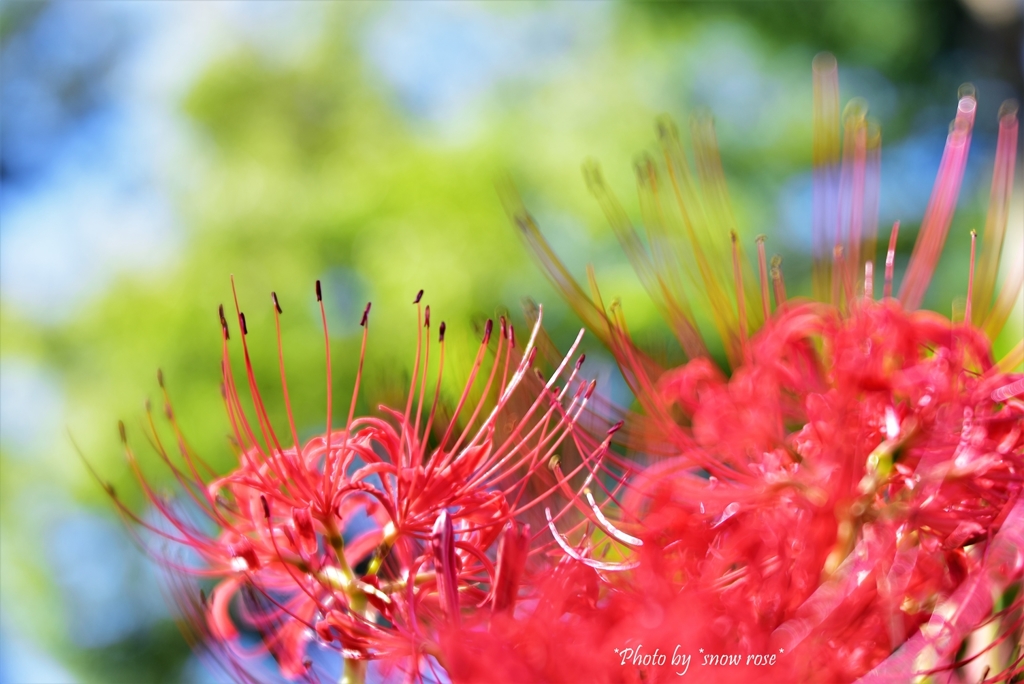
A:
(639, 656)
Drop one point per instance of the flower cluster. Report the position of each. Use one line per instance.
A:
(849, 495)
(843, 504)
(842, 491)
(375, 538)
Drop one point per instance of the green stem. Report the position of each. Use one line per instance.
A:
(352, 671)
(390, 536)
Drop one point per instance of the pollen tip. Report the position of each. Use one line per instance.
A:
(319, 292)
(615, 428)
(663, 127)
(590, 389)
(266, 506)
(241, 323)
(419, 296)
(160, 377)
(440, 334)
(366, 314)
(579, 361)
(277, 304)
(426, 317)
(592, 176)
(760, 239)
(644, 168)
(733, 236)
(120, 430)
(223, 322)
(554, 461)
(488, 328)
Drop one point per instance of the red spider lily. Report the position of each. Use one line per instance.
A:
(374, 538)
(847, 501)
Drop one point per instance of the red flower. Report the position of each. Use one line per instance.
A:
(375, 538)
(847, 498)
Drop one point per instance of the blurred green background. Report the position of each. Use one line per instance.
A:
(151, 149)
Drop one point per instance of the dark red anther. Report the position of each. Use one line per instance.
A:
(504, 327)
(579, 361)
(440, 336)
(277, 304)
(241, 323)
(366, 315)
(615, 428)
(319, 292)
(223, 322)
(419, 296)
(488, 328)
(266, 506)
(159, 377)
(120, 430)
(590, 389)
(426, 317)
